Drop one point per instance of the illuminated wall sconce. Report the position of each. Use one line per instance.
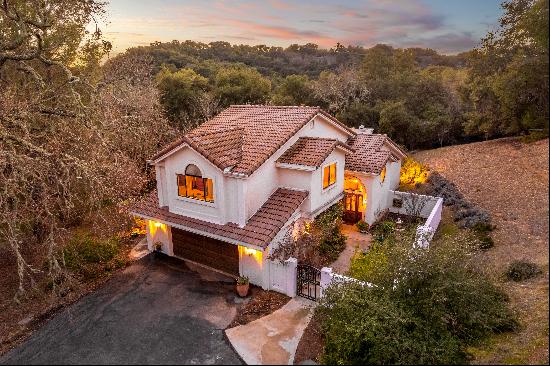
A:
(250, 252)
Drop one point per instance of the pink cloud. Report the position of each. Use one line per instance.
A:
(281, 32)
(280, 5)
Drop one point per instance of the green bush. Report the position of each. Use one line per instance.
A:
(365, 327)
(362, 226)
(426, 306)
(522, 270)
(482, 230)
(381, 230)
(326, 227)
(332, 245)
(84, 249)
(370, 264)
(534, 136)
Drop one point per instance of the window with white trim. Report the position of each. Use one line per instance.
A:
(329, 175)
(193, 185)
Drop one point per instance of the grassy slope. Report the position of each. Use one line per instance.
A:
(510, 180)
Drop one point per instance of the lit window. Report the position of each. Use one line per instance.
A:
(383, 175)
(193, 185)
(329, 175)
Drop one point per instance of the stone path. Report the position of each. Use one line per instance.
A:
(356, 241)
(273, 339)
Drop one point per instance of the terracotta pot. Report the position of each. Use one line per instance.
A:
(242, 290)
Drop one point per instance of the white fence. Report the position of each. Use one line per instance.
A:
(405, 203)
(425, 233)
(329, 278)
(282, 276)
(420, 205)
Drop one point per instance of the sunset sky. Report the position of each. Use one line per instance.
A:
(446, 26)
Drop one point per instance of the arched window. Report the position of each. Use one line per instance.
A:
(193, 170)
(193, 185)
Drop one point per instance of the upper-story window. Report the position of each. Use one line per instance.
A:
(383, 175)
(329, 175)
(193, 185)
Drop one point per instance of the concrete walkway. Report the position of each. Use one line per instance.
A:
(140, 250)
(273, 339)
(356, 241)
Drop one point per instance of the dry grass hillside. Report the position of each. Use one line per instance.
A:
(509, 179)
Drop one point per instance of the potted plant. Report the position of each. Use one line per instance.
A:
(242, 286)
(362, 226)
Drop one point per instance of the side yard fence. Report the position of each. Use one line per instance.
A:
(418, 205)
(283, 276)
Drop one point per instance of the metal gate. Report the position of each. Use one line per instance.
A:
(309, 282)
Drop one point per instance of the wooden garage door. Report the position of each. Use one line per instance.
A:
(210, 252)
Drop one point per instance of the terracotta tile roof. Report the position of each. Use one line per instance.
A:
(369, 157)
(259, 231)
(224, 147)
(310, 151)
(264, 130)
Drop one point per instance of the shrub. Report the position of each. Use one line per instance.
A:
(466, 214)
(362, 226)
(485, 241)
(330, 246)
(370, 264)
(482, 230)
(319, 242)
(413, 173)
(84, 249)
(520, 270)
(468, 218)
(383, 229)
(326, 227)
(441, 187)
(426, 306)
(534, 136)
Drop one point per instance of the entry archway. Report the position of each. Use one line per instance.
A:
(355, 199)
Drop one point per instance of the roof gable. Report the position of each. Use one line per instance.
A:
(311, 151)
(260, 131)
(372, 152)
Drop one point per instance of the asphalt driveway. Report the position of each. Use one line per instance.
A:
(155, 311)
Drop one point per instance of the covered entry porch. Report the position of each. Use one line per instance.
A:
(355, 200)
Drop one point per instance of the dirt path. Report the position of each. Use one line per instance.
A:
(510, 180)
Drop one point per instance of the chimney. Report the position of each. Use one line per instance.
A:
(364, 130)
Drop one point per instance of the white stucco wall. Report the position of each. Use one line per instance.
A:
(378, 192)
(159, 233)
(161, 184)
(251, 263)
(319, 197)
(264, 181)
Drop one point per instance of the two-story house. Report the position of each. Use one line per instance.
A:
(228, 190)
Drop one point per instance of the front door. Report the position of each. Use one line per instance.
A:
(352, 207)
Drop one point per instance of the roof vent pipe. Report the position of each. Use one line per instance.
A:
(363, 129)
